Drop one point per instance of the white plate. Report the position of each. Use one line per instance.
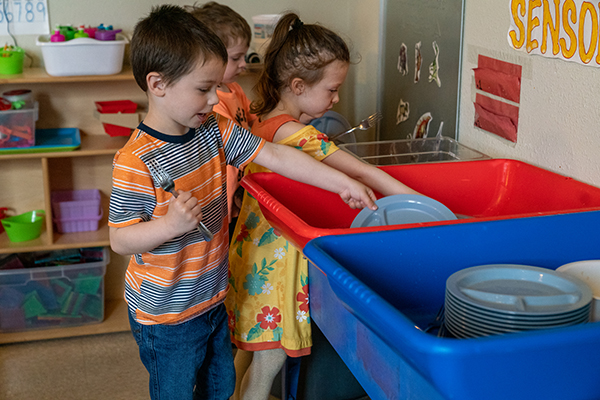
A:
(588, 271)
(403, 209)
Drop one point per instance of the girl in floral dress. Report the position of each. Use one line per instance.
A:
(268, 301)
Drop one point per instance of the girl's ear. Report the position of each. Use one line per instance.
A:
(155, 83)
(297, 86)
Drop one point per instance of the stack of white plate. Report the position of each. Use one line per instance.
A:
(503, 298)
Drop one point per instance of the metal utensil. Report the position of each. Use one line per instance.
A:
(168, 185)
(365, 124)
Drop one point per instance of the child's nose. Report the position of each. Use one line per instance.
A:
(213, 99)
(336, 98)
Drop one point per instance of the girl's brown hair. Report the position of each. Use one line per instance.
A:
(296, 50)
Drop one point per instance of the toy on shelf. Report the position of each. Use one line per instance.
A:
(118, 117)
(55, 289)
(3, 211)
(17, 125)
(24, 227)
(81, 33)
(11, 60)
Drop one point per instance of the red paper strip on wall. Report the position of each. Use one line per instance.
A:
(496, 117)
(499, 78)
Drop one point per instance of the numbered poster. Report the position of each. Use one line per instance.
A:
(24, 17)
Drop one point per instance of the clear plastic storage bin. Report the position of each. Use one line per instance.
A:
(55, 296)
(411, 151)
(17, 127)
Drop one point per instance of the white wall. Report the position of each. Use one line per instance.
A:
(559, 114)
(355, 20)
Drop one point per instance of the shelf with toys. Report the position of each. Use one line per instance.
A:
(28, 180)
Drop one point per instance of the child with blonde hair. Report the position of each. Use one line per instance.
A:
(235, 33)
(177, 278)
(268, 302)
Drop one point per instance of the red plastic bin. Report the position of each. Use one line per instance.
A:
(116, 106)
(480, 190)
(113, 107)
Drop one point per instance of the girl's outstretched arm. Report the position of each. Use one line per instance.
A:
(298, 166)
(367, 174)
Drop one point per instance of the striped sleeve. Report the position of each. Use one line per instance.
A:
(241, 146)
(133, 197)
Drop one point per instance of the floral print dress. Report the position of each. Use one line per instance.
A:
(268, 301)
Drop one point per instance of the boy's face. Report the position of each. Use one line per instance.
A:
(236, 63)
(188, 101)
(320, 97)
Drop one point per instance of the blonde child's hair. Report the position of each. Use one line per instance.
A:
(296, 50)
(225, 22)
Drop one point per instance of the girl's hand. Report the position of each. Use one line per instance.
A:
(357, 195)
(184, 213)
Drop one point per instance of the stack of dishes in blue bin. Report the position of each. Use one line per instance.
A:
(504, 298)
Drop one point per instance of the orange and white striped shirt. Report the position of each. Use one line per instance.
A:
(185, 276)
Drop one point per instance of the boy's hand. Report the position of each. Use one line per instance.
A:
(184, 213)
(357, 195)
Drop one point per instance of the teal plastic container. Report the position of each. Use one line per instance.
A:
(374, 294)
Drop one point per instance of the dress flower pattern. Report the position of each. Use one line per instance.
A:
(268, 300)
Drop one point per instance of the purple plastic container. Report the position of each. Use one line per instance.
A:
(76, 210)
(107, 35)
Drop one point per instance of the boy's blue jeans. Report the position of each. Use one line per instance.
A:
(192, 360)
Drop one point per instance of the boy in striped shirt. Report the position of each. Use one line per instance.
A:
(176, 281)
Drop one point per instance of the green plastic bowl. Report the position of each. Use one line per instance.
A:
(23, 227)
(11, 61)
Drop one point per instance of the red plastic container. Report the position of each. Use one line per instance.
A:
(480, 190)
(113, 107)
(2, 215)
(116, 106)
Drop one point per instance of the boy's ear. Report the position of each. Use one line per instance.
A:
(297, 86)
(155, 83)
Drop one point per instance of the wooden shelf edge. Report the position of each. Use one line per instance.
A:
(62, 241)
(115, 320)
(39, 75)
(91, 145)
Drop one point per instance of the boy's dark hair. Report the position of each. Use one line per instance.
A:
(225, 22)
(296, 50)
(171, 41)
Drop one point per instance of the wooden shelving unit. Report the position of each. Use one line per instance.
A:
(28, 179)
(91, 146)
